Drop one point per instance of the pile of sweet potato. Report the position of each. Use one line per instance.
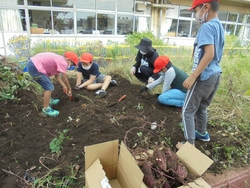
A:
(162, 169)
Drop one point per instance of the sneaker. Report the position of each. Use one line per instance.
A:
(101, 93)
(179, 109)
(204, 137)
(49, 111)
(54, 101)
(113, 83)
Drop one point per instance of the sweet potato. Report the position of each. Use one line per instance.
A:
(169, 154)
(181, 171)
(148, 178)
(166, 184)
(171, 158)
(160, 159)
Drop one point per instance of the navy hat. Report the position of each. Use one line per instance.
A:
(145, 45)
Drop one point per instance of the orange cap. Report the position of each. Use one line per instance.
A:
(200, 2)
(160, 63)
(72, 56)
(86, 57)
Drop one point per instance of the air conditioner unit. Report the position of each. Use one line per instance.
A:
(141, 7)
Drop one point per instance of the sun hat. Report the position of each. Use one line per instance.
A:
(145, 45)
(86, 57)
(200, 2)
(72, 56)
(160, 63)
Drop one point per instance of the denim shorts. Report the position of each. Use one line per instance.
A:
(99, 79)
(40, 78)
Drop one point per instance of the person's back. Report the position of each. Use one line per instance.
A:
(181, 76)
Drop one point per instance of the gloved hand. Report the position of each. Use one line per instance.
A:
(132, 70)
(150, 80)
(143, 89)
(78, 87)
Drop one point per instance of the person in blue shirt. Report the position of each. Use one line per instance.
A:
(173, 92)
(204, 81)
(89, 76)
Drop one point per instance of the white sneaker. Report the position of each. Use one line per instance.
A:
(101, 93)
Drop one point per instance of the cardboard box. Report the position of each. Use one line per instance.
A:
(102, 160)
(196, 162)
(36, 30)
(104, 167)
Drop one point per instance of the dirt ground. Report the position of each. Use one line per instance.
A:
(25, 134)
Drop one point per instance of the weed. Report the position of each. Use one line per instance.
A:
(56, 143)
(51, 179)
(215, 149)
(139, 106)
(139, 134)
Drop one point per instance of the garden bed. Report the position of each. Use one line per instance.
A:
(25, 134)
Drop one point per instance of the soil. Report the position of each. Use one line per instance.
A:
(26, 134)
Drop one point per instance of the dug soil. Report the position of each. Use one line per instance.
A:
(26, 134)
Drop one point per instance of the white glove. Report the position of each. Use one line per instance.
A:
(150, 80)
(132, 70)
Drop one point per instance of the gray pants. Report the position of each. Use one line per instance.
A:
(194, 111)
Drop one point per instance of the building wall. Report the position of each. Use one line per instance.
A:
(112, 20)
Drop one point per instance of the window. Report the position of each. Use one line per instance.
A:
(239, 29)
(184, 12)
(183, 28)
(172, 27)
(125, 5)
(9, 2)
(19, 2)
(195, 28)
(40, 19)
(124, 24)
(222, 15)
(105, 5)
(242, 18)
(13, 20)
(232, 17)
(230, 29)
(85, 22)
(89, 4)
(142, 23)
(39, 3)
(62, 3)
(63, 22)
(248, 19)
(106, 24)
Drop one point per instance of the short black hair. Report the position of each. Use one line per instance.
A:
(215, 5)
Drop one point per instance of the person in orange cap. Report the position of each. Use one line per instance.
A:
(93, 79)
(204, 81)
(47, 64)
(173, 92)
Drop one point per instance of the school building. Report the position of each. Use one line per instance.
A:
(106, 20)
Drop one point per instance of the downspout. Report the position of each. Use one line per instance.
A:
(160, 22)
